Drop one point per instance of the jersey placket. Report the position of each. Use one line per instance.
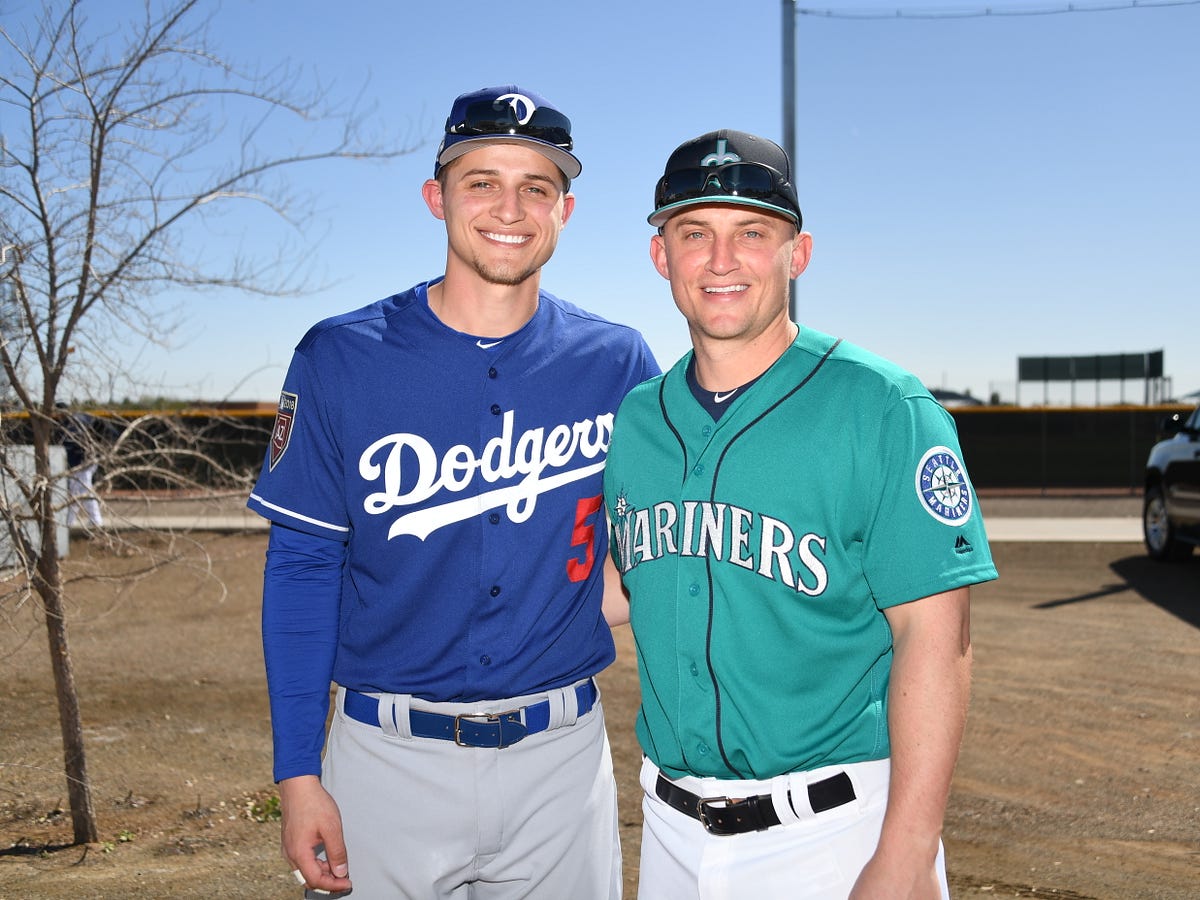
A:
(497, 533)
(699, 529)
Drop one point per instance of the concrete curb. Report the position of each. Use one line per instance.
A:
(1109, 530)
(1017, 528)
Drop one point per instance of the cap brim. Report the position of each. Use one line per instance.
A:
(570, 166)
(659, 217)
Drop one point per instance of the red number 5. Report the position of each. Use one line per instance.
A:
(583, 536)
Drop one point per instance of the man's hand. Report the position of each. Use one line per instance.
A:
(910, 879)
(312, 822)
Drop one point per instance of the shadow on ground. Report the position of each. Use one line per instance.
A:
(1175, 587)
(1172, 586)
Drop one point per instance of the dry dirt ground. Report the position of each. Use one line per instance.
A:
(1079, 776)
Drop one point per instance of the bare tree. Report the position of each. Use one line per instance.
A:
(117, 139)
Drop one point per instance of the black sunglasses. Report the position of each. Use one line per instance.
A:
(487, 117)
(753, 181)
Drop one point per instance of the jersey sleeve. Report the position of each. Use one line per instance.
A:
(644, 366)
(301, 483)
(301, 598)
(926, 534)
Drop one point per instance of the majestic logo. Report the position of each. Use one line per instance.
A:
(530, 457)
(281, 433)
(721, 156)
(942, 486)
(963, 546)
(523, 108)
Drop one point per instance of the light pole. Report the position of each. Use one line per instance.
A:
(788, 32)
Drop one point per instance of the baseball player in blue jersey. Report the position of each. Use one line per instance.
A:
(437, 550)
(797, 535)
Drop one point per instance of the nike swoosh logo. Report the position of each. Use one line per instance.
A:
(717, 398)
(486, 346)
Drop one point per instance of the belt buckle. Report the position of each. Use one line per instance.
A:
(496, 719)
(702, 811)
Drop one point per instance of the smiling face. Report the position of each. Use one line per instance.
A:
(504, 206)
(729, 267)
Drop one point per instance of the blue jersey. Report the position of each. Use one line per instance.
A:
(464, 476)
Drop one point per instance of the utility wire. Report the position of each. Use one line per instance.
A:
(978, 13)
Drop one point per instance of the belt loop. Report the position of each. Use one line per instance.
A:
(394, 715)
(781, 794)
(564, 708)
(339, 700)
(799, 803)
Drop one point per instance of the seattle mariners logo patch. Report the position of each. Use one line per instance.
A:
(281, 433)
(942, 486)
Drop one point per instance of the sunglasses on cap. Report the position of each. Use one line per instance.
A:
(488, 117)
(754, 181)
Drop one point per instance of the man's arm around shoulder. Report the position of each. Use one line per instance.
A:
(615, 603)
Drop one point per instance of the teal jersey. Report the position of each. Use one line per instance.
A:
(760, 551)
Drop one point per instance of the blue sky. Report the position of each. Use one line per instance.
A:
(978, 188)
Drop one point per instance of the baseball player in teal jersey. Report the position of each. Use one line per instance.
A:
(797, 537)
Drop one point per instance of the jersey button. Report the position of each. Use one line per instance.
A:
(702, 749)
(496, 410)
(693, 589)
(485, 660)
(494, 518)
(706, 431)
(695, 671)
(698, 469)
(495, 591)
(492, 373)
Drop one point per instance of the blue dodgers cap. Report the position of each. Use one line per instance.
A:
(726, 167)
(507, 114)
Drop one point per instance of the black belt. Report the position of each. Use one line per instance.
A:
(751, 813)
(489, 730)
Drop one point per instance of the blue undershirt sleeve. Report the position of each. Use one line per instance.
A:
(302, 586)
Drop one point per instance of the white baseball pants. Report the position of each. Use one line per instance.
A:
(424, 818)
(809, 856)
